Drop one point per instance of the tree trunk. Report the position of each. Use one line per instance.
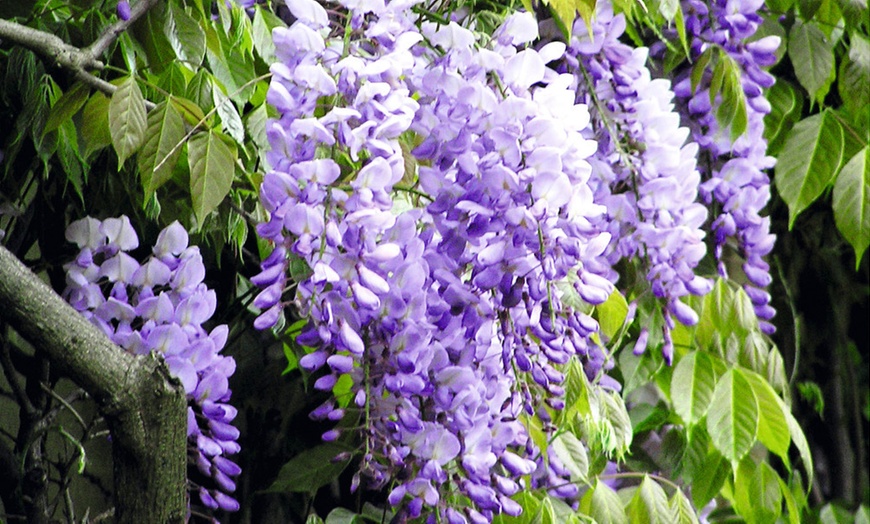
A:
(144, 406)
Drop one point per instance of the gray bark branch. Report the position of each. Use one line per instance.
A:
(144, 406)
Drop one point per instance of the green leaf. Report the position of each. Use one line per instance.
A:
(313, 519)
(612, 313)
(255, 123)
(341, 516)
(776, 376)
(199, 91)
(341, 391)
(173, 80)
(127, 119)
(854, 80)
(646, 417)
(780, 6)
(292, 359)
(191, 112)
(577, 395)
(684, 513)
(66, 106)
(800, 441)
(731, 111)
(230, 119)
(649, 505)
(794, 514)
(812, 394)
(726, 310)
(572, 453)
(732, 419)
(772, 427)
(618, 432)
(212, 166)
(786, 107)
(95, 123)
(566, 11)
(692, 386)
(765, 494)
(311, 469)
(808, 161)
(637, 370)
(862, 516)
(532, 510)
(603, 505)
(534, 427)
(709, 478)
(754, 353)
(852, 203)
(808, 8)
(833, 514)
(669, 8)
(264, 23)
(700, 66)
(695, 452)
(812, 55)
(165, 131)
(737, 488)
(149, 31)
(185, 36)
(231, 68)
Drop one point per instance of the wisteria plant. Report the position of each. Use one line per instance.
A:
(516, 259)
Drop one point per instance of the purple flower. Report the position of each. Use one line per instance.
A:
(132, 304)
(124, 10)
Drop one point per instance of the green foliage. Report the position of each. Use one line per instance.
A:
(852, 202)
(190, 109)
(212, 165)
(127, 119)
(160, 151)
(649, 504)
(311, 469)
(692, 386)
(733, 418)
(603, 505)
(812, 54)
(809, 161)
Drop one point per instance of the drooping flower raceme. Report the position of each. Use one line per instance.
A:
(736, 177)
(645, 170)
(160, 306)
(437, 189)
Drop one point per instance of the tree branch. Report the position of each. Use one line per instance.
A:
(78, 61)
(49, 46)
(96, 49)
(144, 406)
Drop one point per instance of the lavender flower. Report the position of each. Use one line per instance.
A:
(160, 306)
(645, 171)
(443, 311)
(124, 10)
(736, 178)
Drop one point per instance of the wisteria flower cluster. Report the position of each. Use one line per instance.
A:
(736, 178)
(445, 314)
(443, 190)
(645, 169)
(160, 306)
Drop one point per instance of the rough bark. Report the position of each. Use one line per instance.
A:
(144, 406)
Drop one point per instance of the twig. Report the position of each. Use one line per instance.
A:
(96, 49)
(8, 370)
(67, 403)
(49, 46)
